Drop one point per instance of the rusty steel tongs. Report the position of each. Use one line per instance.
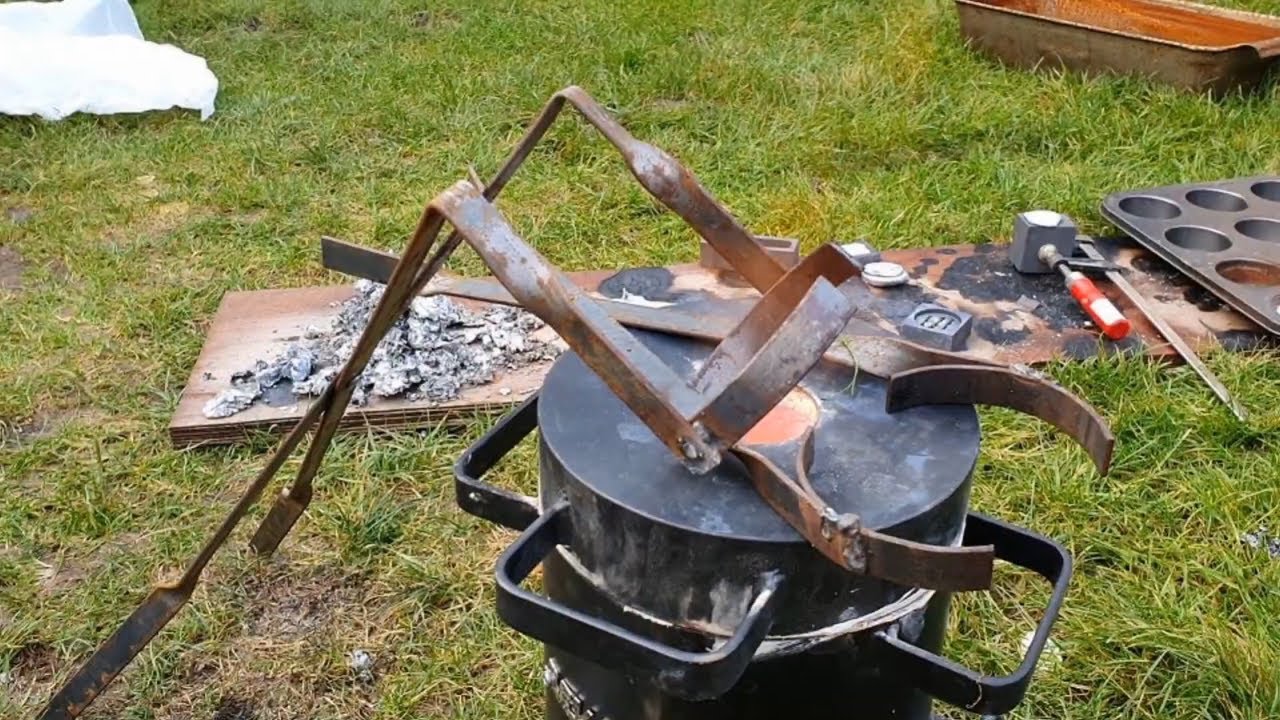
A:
(757, 363)
(748, 373)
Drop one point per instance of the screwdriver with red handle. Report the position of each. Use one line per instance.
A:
(1103, 312)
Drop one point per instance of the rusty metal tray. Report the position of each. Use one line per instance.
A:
(1224, 235)
(1188, 45)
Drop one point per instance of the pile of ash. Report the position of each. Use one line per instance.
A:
(432, 352)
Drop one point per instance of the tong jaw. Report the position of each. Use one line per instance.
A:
(699, 418)
(843, 539)
(798, 317)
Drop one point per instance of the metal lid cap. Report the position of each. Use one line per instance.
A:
(887, 468)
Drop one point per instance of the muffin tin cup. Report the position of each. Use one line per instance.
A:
(1224, 235)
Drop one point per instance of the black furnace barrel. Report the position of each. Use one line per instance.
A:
(669, 595)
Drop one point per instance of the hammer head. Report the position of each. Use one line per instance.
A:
(1033, 230)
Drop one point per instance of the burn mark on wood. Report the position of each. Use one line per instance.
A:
(651, 283)
(1244, 340)
(891, 304)
(1161, 270)
(1087, 346)
(922, 267)
(1080, 348)
(990, 328)
(1204, 300)
(987, 277)
(1130, 346)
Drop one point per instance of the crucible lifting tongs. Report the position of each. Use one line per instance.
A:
(701, 419)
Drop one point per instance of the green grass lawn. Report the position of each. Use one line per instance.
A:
(817, 120)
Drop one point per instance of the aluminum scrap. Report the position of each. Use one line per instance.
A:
(432, 353)
(1262, 540)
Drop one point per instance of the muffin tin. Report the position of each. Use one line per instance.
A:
(1224, 235)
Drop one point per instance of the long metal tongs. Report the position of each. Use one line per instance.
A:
(757, 363)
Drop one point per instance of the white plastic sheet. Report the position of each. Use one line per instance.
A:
(89, 56)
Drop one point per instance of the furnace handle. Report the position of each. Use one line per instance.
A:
(957, 685)
(690, 675)
(487, 501)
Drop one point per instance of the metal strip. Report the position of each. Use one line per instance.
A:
(843, 540)
(767, 355)
(1184, 350)
(1005, 387)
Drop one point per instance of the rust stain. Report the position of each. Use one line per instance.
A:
(1162, 21)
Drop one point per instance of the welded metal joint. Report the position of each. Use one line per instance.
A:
(855, 551)
(830, 520)
(848, 528)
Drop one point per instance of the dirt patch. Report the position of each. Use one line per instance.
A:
(41, 425)
(18, 214)
(30, 669)
(430, 20)
(45, 424)
(164, 218)
(283, 664)
(11, 267)
(59, 270)
(58, 577)
(250, 217)
(61, 573)
(152, 223)
(233, 708)
(287, 608)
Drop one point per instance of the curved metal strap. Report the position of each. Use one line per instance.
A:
(843, 540)
(1005, 387)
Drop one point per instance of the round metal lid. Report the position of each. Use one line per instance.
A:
(886, 468)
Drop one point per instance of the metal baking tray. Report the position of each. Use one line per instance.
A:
(1188, 45)
(1224, 235)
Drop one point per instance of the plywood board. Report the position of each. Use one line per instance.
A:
(980, 280)
(975, 278)
(259, 325)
